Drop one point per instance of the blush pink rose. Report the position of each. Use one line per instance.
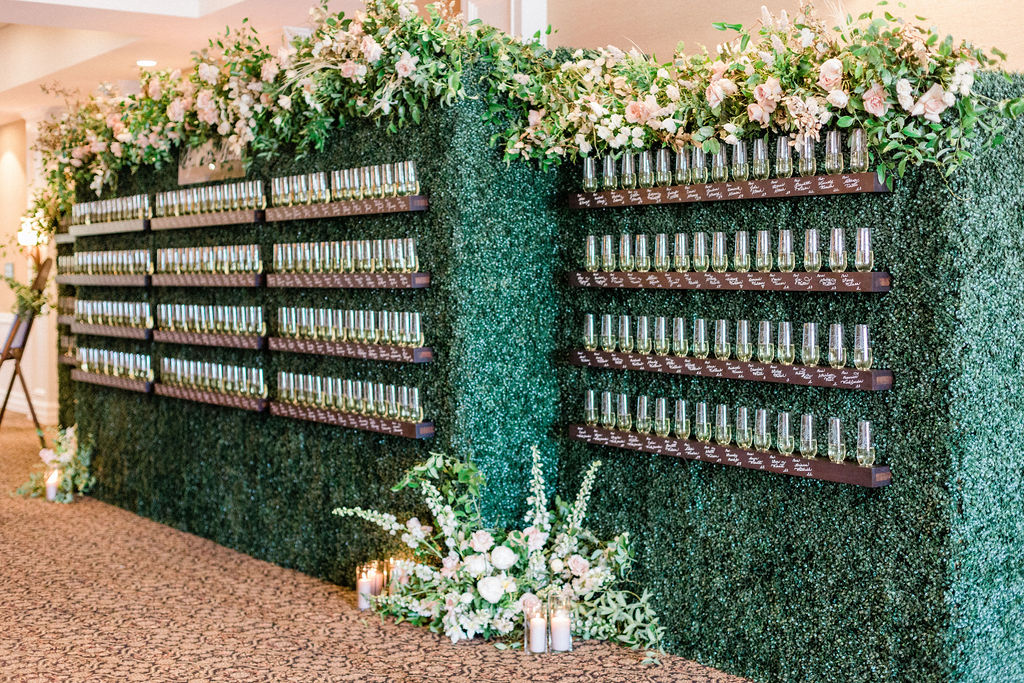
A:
(481, 541)
(758, 114)
(830, 74)
(578, 565)
(534, 117)
(931, 104)
(718, 68)
(728, 86)
(874, 100)
(838, 99)
(636, 112)
(714, 94)
(348, 69)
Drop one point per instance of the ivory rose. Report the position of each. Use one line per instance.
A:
(830, 74)
(371, 49)
(728, 86)
(757, 114)
(529, 601)
(476, 565)
(838, 99)
(406, 65)
(904, 93)
(578, 565)
(481, 541)
(874, 100)
(503, 557)
(491, 588)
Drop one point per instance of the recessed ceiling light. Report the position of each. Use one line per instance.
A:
(145, 63)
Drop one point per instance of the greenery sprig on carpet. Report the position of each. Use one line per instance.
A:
(71, 459)
(467, 580)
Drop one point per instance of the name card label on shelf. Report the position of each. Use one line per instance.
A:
(351, 207)
(143, 333)
(349, 280)
(874, 282)
(213, 397)
(208, 280)
(112, 227)
(409, 430)
(230, 341)
(382, 352)
(811, 186)
(768, 461)
(65, 320)
(67, 360)
(104, 280)
(112, 382)
(206, 220)
(64, 238)
(751, 371)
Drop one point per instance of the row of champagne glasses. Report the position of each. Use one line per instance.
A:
(235, 380)
(117, 313)
(360, 327)
(653, 335)
(692, 166)
(114, 209)
(347, 256)
(351, 396)
(243, 195)
(744, 428)
(115, 363)
(211, 319)
(634, 252)
(122, 262)
(363, 182)
(234, 258)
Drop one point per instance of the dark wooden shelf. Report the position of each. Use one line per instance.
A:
(112, 382)
(349, 280)
(352, 207)
(230, 341)
(208, 280)
(104, 280)
(257, 405)
(135, 225)
(63, 238)
(383, 352)
(67, 360)
(206, 220)
(751, 371)
(143, 333)
(65, 320)
(409, 430)
(769, 461)
(876, 282)
(811, 186)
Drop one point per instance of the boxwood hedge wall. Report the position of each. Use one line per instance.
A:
(767, 576)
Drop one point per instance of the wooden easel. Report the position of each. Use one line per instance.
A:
(14, 347)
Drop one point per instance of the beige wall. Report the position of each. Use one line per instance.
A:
(658, 25)
(12, 201)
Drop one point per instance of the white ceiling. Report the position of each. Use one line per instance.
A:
(80, 43)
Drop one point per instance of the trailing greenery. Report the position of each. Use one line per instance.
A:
(71, 459)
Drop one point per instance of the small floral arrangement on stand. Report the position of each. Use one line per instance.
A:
(64, 472)
(467, 580)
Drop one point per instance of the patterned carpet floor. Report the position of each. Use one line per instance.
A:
(91, 592)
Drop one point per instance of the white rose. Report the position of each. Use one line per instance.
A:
(476, 564)
(557, 565)
(491, 588)
(838, 98)
(578, 565)
(481, 541)
(503, 557)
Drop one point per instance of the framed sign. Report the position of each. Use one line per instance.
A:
(208, 162)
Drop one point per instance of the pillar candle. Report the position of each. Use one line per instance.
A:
(52, 482)
(538, 633)
(364, 585)
(561, 638)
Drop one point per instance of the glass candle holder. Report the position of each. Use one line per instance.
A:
(723, 350)
(590, 407)
(643, 335)
(862, 355)
(700, 338)
(865, 449)
(719, 253)
(680, 253)
(741, 252)
(642, 256)
(365, 585)
(759, 169)
(834, 161)
(623, 420)
(591, 254)
(681, 421)
(763, 251)
(698, 166)
(808, 444)
(858, 150)
(744, 434)
(625, 334)
(702, 424)
(806, 164)
(628, 171)
(809, 351)
(680, 345)
(661, 257)
(723, 429)
(607, 254)
(836, 445)
(643, 416)
(609, 173)
(661, 340)
(607, 414)
(662, 423)
(719, 165)
(608, 338)
(683, 166)
(783, 157)
(740, 164)
(626, 262)
(762, 438)
(645, 169)
(864, 256)
(701, 261)
(560, 612)
(837, 251)
(812, 251)
(663, 167)
(589, 174)
(784, 434)
(744, 348)
(589, 332)
(786, 257)
(535, 631)
(765, 347)
(836, 346)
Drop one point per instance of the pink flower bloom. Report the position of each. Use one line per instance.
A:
(371, 49)
(728, 86)
(714, 94)
(838, 99)
(534, 117)
(481, 541)
(208, 73)
(529, 601)
(874, 100)
(757, 114)
(285, 102)
(830, 74)
(115, 149)
(718, 68)
(578, 565)
(931, 104)
(47, 455)
(406, 65)
(154, 90)
(768, 94)
(449, 565)
(348, 69)
(535, 538)
(636, 112)
(269, 70)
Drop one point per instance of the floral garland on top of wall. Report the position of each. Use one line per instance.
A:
(907, 86)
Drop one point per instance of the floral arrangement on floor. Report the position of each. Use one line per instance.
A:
(71, 459)
(468, 580)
